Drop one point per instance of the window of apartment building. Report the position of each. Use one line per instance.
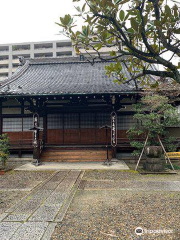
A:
(3, 76)
(4, 48)
(21, 47)
(43, 46)
(63, 44)
(2, 58)
(3, 65)
(68, 53)
(23, 55)
(43, 55)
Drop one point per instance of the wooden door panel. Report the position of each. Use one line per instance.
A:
(101, 136)
(14, 136)
(27, 135)
(71, 136)
(55, 136)
(122, 134)
(88, 136)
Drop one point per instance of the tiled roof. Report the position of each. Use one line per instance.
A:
(62, 76)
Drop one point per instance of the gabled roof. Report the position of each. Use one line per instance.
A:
(61, 77)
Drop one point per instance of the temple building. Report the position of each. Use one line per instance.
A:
(77, 108)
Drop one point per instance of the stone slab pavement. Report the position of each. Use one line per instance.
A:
(36, 216)
(119, 165)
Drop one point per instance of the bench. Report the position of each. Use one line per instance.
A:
(175, 156)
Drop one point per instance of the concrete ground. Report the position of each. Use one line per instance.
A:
(119, 165)
(88, 205)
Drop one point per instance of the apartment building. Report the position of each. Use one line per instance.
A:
(9, 53)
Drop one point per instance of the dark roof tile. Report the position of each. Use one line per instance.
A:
(60, 77)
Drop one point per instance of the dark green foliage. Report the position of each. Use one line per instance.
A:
(4, 149)
(176, 167)
(153, 114)
(142, 32)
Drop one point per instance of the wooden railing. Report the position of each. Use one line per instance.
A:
(21, 144)
(24, 144)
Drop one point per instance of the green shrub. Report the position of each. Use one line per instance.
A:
(176, 167)
(4, 149)
(153, 115)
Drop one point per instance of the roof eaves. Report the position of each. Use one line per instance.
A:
(16, 76)
(69, 94)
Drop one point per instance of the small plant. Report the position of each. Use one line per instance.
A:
(176, 167)
(4, 149)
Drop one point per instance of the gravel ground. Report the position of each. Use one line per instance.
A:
(15, 185)
(10, 198)
(22, 179)
(128, 175)
(105, 214)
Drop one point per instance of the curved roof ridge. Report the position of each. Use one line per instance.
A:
(63, 60)
(16, 75)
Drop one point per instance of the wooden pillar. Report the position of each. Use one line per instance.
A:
(36, 143)
(79, 125)
(1, 119)
(63, 126)
(45, 128)
(95, 120)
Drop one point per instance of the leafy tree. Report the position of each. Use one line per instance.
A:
(144, 32)
(153, 114)
(4, 149)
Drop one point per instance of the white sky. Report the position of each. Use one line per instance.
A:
(32, 20)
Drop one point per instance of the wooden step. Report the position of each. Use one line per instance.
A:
(75, 156)
(72, 155)
(74, 160)
(74, 150)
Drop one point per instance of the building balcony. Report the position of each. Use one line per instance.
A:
(4, 62)
(15, 61)
(64, 44)
(103, 50)
(21, 51)
(14, 69)
(43, 50)
(4, 70)
(64, 49)
(4, 53)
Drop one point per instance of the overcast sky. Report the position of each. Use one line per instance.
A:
(32, 20)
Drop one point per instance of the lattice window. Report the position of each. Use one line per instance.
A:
(12, 124)
(71, 121)
(103, 119)
(16, 125)
(124, 122)
(87, 120)
(28, 123)
(55, 121)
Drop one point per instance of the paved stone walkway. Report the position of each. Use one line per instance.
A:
(39, 213)
(36, 216)
(119, 165)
